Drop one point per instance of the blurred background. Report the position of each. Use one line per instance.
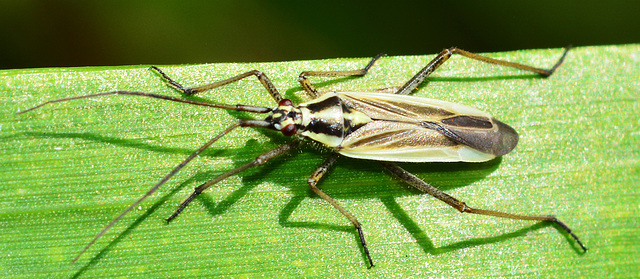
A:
(123, 32)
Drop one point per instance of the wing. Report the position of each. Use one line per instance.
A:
(405, 108)
(424, 130)
(406, 142)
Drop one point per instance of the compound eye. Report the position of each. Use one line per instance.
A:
(285, 103)
(289, 130)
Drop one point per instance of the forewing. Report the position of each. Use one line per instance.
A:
(462, 124)
(403, 108)
(406, 142)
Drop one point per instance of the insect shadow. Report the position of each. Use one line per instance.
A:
(437, 173)
(370, 182)
(440, 174)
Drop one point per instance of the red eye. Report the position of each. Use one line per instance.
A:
(285, 102)
(289, 130)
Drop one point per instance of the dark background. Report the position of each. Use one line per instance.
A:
(80, 33)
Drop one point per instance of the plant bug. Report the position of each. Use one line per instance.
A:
(372, 126)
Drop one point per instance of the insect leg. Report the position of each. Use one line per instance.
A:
(311, 90)
(462, 207)
(313, 181)
(266, 82)
(153, 189)
(256, 162)
(443, 56)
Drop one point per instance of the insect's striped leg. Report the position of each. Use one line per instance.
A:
(256, 162)
(313, 181)
(311, 90)
(540, 71)
(462, 207)
(443, 56)
(266, 82)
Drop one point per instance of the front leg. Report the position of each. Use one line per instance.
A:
(266, 82)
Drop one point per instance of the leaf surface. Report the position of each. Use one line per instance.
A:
(67, 169)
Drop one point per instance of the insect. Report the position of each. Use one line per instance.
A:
(371, 126)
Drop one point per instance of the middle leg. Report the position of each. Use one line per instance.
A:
(266, 82)
(313, 180)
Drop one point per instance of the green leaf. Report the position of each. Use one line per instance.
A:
(69, 168)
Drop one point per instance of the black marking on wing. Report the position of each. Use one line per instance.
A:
(468, 121)
(487, 135)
